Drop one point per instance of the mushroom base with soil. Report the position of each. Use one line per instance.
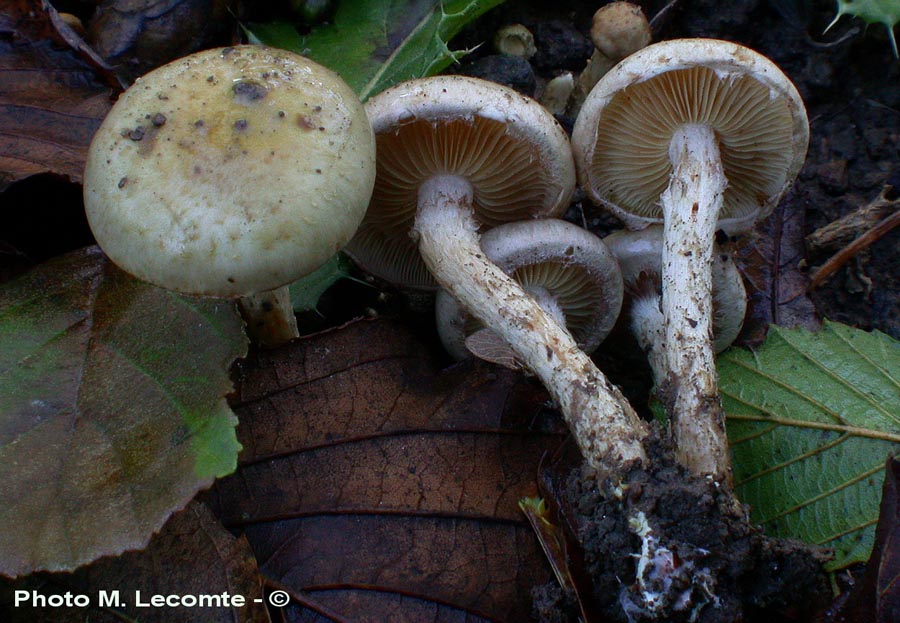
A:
(673, 547)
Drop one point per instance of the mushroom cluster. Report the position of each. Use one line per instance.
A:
(231, 173)
(697, 134)
(457, 156)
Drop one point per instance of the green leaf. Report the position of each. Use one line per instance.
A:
(112, 409)
(885, 12)
(374, 44)
(811, 419)
(306, 292)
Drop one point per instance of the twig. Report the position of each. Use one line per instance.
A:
(840, 258)
(852, 225)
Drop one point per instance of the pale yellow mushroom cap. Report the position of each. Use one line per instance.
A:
(622, 135)
(230, 171)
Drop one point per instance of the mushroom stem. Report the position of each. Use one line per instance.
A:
(691, 205)
(548, 303)
(270, 317)
(649, 329)
(606, 428)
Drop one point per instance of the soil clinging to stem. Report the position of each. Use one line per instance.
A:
(668, 546)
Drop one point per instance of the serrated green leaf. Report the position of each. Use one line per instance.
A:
(811, 419)
(374, 44)
(885, 12)
(112, 409)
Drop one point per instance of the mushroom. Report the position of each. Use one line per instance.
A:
(231, 173)
(457, 155)
(566, 269)
(515, 40)
(697, 134)
(639, 254)
(617, 30)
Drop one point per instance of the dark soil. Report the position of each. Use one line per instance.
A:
(667, 546)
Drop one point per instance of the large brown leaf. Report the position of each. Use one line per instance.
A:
(51, 96)
(379, 488)
(192, 555)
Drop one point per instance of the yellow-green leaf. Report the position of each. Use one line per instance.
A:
(374, 44)
(112, 409)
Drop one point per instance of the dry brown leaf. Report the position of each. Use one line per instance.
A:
(192, 555)
(375, 485)
(770, 260)
(51, 96)
(139, 35)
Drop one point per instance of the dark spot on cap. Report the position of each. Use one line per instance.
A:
(227, 51)
(721, 236)
(199, 123)
(197, 169)
(210, 78)
(123, 182)
(318, 170)
(240, 125)
(136, 134)
(321, 129)
(317, 109)
(570, 250)
(231, 280)
(267, 306)
(692, 322)
(158, 120)
(248, 91)
(305, 123)
(695, 207)
(281, 113)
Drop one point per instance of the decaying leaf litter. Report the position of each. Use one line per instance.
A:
(828, 177)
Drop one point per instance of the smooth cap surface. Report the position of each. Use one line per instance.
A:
(619, 29)
(230, 171)
(511, 150)
(622, 134)
(567, 262)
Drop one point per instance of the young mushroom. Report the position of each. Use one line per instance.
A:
(617, 30)
(698, 134)
(231, 173)
(639, 254)
(566, 269)
(457, 155)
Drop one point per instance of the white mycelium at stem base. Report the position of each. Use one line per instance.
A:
(607, 430)
(691, 207)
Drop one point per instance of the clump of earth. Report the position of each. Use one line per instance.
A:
(668, 546)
